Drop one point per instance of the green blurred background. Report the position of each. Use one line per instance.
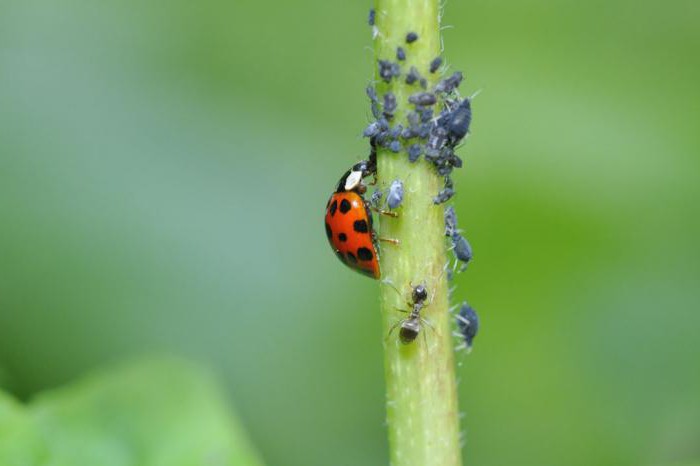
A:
(164, 168)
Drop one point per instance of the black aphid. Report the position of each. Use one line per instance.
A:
(383, 124)
(396, 131)
(412, 75)
(388, 70)
(461, 248)
(400, 54)
(371, 93)
(467, 323)
(375, 198)
(408, 133)
(395, 146)
(423, 98)
(450, 221)
(424, 130)
(371, 17)
(411, 37)
(413, 118)
(423, 83)
(414, 152)
(426, 115)
(372, 129)
(376, 110)
(444, 169)
(389, 105)
(458, 120)
(435, 64)
(437, 139)
(444, 195)
(450, 83)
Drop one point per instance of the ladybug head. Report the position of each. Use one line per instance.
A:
(352, 180)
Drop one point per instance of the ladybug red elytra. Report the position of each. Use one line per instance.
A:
(349, 221)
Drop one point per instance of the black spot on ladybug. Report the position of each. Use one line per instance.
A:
(334, 207)
(364, 254)
(342, 237)
(329, 232)
(344, 206)
(360, 226)
(340, 256)
(351, 258)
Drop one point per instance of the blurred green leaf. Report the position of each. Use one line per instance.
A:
(151, 413)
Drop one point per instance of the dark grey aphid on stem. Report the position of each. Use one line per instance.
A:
(461, 248)
(408, 133)
(372, 16)
(372, 93)
(413, 75)
(395, 146)
(435, 64)
(437, 139)
(450, 83)
(400, 54)
(389, 105)
(450, 221)
(467, 323)
(458, 121)
(388, 70)
(372, 129)
(375, 198)
(414, 152)
(411, 37)
(395, 132)
(422, 98)
(444, 195)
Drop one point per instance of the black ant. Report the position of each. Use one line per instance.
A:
(411, 325)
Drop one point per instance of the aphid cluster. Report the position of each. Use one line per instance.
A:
(432, 133)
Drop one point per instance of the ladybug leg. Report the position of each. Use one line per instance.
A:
(389, 240)
(384, 212)
(387, 281)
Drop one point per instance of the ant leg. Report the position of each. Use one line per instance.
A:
(427, 322)
(387, 281)
(393, 327)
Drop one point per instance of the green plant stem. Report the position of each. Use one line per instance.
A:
(422, 410)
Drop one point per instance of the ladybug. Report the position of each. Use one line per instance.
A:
(349, 221)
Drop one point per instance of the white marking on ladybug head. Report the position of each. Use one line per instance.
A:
(353, 180)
